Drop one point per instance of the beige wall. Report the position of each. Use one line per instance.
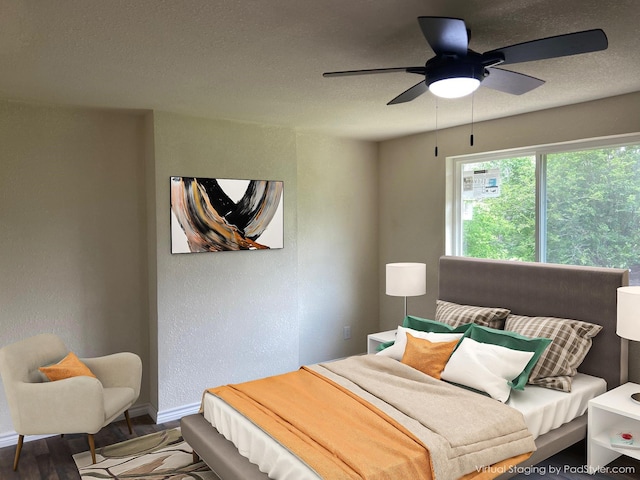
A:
(338, 245)
(72, 230)
(413, 180)
(227, 316)
(235, 316)
(150, 258)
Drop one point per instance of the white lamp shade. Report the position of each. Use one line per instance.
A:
(629, 313)
(406, 279)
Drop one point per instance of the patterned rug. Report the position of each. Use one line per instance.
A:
(166, 456)
(158, 456)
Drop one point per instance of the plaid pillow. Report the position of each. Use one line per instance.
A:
(456, 315)
(571, 341)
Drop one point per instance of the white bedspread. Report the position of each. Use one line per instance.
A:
(543, 410)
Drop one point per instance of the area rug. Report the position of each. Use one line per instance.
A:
(166, 456)
(158, 456)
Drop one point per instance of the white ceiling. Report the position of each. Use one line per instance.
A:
(262, 60)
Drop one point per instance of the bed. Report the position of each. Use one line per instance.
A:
(527, 290)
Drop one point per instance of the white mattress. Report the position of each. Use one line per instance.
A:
(543, 410)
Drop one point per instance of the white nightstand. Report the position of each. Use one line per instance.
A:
(375, 339)
(611, 412)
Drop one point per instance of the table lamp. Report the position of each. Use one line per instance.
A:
(406, 280)
(628, 318)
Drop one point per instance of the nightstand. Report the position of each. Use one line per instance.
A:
(611, 412)
(375, 339)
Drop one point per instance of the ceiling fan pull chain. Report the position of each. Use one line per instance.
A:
(436, 149)
(473, 95)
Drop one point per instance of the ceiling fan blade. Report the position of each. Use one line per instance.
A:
(346, 73)
(553, 47)
(411, 93)
(510, 82)
(445, 35)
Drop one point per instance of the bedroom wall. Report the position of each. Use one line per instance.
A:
(338, 245)
(233, 316)
(72, 230)
(228, 316)
(150, 256)
(413, 181)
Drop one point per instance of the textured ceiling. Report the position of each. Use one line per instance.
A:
(262, 61)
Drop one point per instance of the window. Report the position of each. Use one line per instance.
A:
(573, 204)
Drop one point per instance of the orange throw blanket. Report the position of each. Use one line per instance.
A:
(357, 441)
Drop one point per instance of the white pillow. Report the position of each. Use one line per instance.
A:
(485, 367)
(396, 351)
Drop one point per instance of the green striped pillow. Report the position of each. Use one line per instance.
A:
(570, 343)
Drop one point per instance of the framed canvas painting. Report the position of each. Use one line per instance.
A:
(214, 215)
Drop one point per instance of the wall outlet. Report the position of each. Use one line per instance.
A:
(346, 332)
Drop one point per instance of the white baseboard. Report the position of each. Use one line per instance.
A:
(8, 439)
(176, 413)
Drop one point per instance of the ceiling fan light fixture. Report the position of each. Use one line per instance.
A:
(454, 78)
(454, 87)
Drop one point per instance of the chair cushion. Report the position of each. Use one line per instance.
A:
(116, 401)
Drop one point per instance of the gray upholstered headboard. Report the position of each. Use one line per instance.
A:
(549, 290)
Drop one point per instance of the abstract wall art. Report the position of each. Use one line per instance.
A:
(214, 215)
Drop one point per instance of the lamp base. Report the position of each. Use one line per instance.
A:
(635, 397)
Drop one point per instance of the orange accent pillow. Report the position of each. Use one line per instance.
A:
(69, 366)
(428, 357)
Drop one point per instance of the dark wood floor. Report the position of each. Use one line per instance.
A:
(51, 458)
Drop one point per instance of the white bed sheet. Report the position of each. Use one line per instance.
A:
(543, 410)
(546, 409)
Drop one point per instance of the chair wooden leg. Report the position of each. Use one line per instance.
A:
(128, 418)
(18, 450)
(92, 447)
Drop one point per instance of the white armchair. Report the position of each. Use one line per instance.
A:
(74, 405)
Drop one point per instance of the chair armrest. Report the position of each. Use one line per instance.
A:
(72, 405)
(122, 369)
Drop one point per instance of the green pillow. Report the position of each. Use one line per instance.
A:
(513, 341)
(425, 325)
(384, 345)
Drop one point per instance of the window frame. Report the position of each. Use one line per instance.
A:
(453, 190)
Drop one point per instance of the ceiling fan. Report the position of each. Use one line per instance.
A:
(456, 71)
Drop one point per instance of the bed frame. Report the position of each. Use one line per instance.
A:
(531, 289)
